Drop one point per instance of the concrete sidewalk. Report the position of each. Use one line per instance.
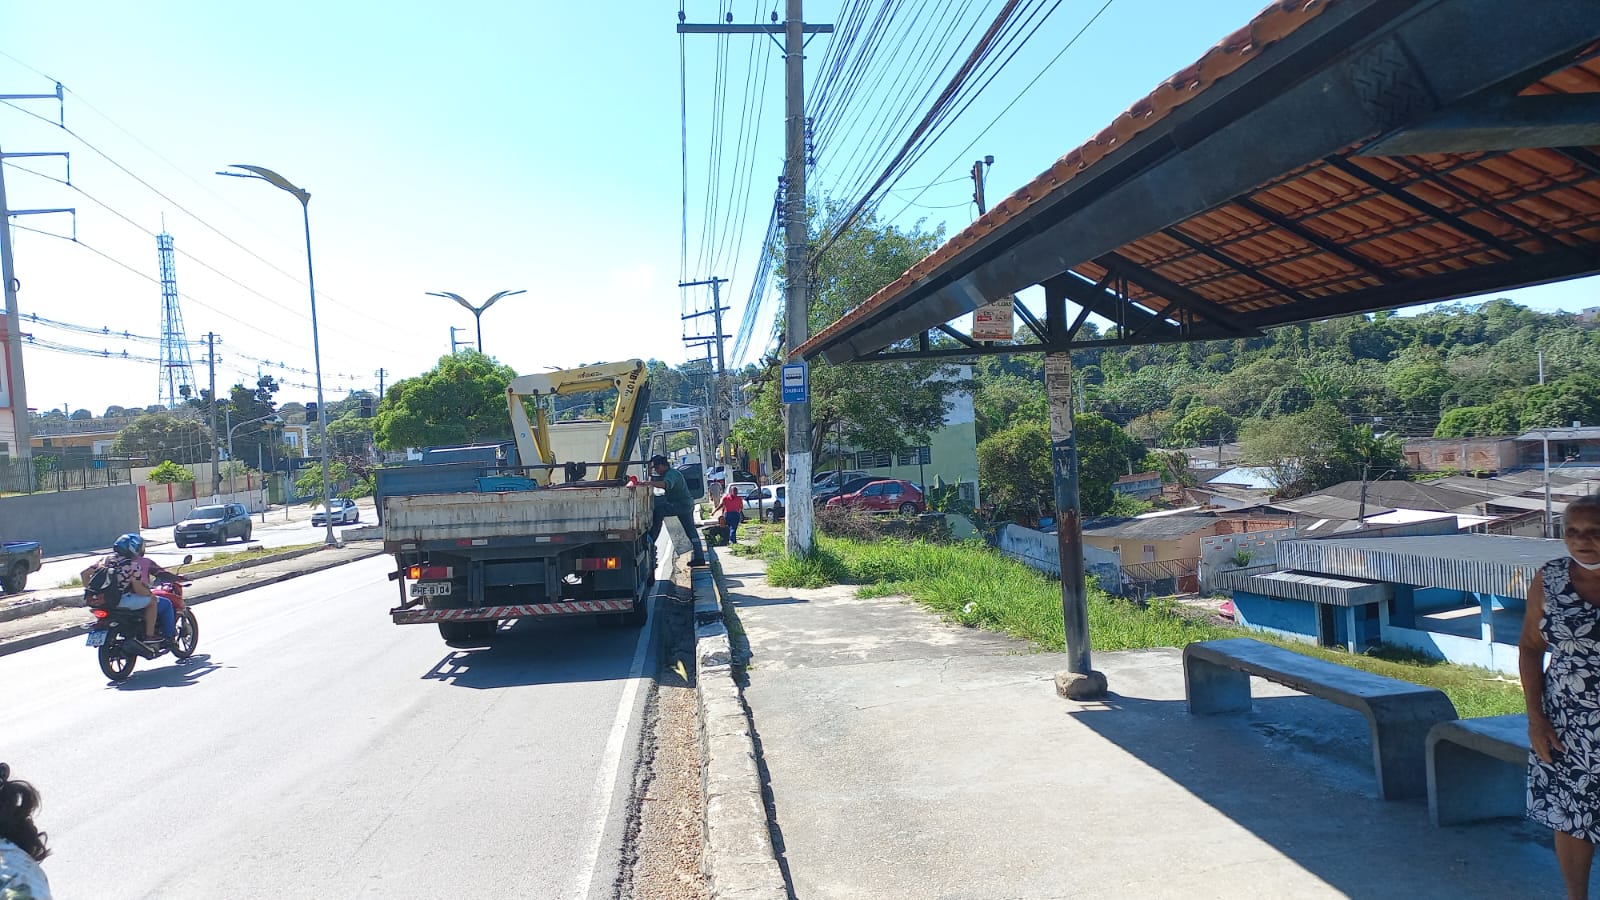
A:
(911, 758)
(41, 617)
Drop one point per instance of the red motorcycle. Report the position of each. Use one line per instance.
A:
(117, 632)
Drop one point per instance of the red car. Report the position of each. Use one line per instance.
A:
(888, 495)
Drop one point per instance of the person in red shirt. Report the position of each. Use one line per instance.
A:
(732, 507)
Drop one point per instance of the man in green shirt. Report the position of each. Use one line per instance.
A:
(674, 502)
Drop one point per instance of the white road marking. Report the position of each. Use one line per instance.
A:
(606, 782)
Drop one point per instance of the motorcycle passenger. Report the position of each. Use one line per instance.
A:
(132, 568)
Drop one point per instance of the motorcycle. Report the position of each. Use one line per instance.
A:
(117, 633)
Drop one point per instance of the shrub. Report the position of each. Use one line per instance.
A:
(170, 472)
(865, 526)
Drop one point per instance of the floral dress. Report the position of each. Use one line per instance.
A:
(20, 876)
(1565, 794)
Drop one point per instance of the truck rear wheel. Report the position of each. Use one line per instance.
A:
(455, 631)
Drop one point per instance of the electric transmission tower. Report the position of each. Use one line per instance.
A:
(177, 371)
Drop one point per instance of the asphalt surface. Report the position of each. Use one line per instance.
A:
(314, 749)
(282, 528)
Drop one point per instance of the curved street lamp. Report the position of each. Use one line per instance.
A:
(304, 196)
(273, 418)
(477, 311)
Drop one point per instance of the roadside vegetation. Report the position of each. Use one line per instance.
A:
(970, 584)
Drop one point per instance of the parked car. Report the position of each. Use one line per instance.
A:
(832, 478)
(884, 495)
(213, 525)
(717, 477)
(765, 501)
(344, 513)
(17, 560)
(821, 495)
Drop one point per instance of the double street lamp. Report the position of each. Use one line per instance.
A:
(304, 196)
(477, 311)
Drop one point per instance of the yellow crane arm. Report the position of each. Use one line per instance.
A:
(533, 437)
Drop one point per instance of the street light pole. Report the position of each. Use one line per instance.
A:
(304, 196)
(477, 311)
(270, 417)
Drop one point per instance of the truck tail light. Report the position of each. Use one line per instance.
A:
(599, 564)
(431, 573)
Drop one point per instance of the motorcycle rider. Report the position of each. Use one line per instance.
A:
(133, 570)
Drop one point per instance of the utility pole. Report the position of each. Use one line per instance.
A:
(211, 366)
(380, 373)
(716, 383)
(797, 522)
(14, 377)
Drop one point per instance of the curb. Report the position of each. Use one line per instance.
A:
(739, 860)
(63, 632)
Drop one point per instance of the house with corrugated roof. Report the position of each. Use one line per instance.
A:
(1456, 597)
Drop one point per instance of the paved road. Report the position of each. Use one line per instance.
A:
(276, 531)
(314, 749)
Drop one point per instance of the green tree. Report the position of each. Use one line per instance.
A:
(350, 436)
(1014, 469)
(164, 436)
(461, 400)
(345, 479)
(1311, 450)
(1203, 425)
(1105, 453)
(1003, 400)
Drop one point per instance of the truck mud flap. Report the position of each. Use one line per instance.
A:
(404, 616)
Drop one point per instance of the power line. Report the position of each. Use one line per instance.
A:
(961, 155)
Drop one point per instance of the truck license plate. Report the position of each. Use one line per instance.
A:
(431, 589)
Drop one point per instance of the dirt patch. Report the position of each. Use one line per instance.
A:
(666, 837)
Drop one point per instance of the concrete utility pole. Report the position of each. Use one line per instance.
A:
(211, 367)
(380, 373)
(717, 385)
(797, 521)
(15, 377)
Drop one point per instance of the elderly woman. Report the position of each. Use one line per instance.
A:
(1563, 617)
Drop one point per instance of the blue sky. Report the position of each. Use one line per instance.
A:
(471, 148)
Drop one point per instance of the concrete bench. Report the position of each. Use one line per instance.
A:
(1478, 769)
(1216, 676)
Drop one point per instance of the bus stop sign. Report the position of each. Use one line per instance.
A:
(796, 383)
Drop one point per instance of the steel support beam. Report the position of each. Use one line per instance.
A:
(1496, 124)
(1175, 293)
(1406, 197)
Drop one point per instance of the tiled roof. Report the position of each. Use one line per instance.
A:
(1345, 226)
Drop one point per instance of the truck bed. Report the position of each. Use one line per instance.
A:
(426, 518)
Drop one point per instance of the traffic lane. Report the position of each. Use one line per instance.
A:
(60, 570)
(313, 748)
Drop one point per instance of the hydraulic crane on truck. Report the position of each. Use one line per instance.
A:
(536, 445)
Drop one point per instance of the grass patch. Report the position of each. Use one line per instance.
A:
(971, 584)
(238, 556)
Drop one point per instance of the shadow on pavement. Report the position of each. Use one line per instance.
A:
(1297, 773)
(169, 673)
(535, 651)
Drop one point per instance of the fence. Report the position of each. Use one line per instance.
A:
(46, 473)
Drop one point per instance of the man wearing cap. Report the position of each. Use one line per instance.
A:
(675, 501)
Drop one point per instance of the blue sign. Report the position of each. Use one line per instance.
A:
(796, 383)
